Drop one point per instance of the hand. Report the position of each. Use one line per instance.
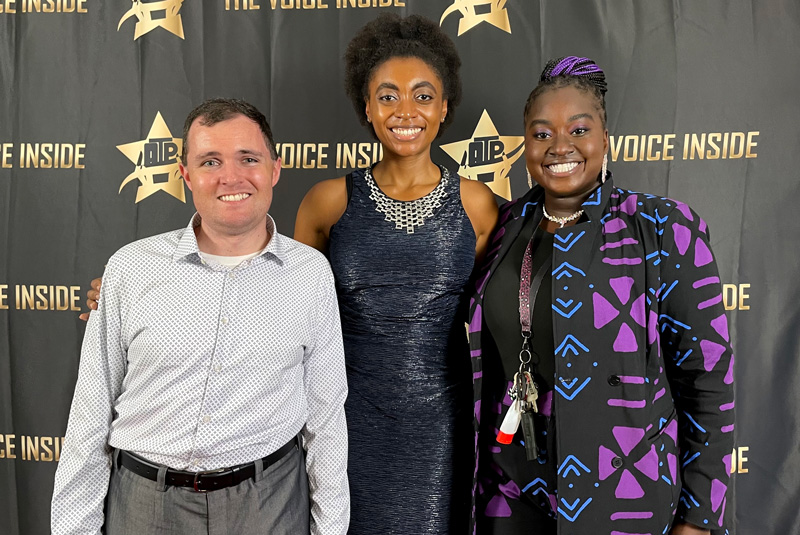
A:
(92, 297)
(683, 528)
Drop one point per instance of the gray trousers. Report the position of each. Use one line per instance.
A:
(273, 502)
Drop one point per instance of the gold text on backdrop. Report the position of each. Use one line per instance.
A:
(30, 448)
(43, 6)
(661, 147)
(735, 295)
(738, 459)
(358, 154)
(40, 297)
(303, 155)
(253, 5)
(317, 155)
(43, 155)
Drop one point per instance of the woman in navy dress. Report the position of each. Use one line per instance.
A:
(402, 237)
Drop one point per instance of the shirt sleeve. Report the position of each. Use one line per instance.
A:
(695, 342)
(81, 481)
(325, 432)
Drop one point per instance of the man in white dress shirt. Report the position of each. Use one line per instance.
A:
(211, 389)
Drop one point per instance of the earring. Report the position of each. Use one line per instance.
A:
(443, 118)
(369, 119)
(530, 178)
(604, 170)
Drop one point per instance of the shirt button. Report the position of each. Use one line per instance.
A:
(232, 275)
(614, 380)
(224, 321)
(207, 419)
(217, 368)
(195, 463)
(616, 462)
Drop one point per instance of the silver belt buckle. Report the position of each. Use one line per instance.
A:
(198, 474)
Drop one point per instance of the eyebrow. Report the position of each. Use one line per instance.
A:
(389, 85)
(575, 117)
(213, 153)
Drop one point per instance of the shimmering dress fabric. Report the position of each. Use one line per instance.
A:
(401, 298)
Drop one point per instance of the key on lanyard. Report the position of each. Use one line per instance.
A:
(528, 409)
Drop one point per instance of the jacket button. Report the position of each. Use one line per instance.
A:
(613, 380)
(616, 462)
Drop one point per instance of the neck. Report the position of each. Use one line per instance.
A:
(561, 207)
(565, 206)
(406, 171)
(220, 243)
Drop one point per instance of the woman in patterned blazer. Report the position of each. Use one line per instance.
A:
(602, 362)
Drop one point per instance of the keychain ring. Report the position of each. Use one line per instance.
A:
(523, 352)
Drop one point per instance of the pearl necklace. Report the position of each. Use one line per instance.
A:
(561, 220)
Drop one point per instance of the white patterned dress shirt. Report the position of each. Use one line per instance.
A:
(197, 366)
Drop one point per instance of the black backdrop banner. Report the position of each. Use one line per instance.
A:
(702, 107)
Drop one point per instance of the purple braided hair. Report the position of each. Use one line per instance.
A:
(582, 73)
(575, 66)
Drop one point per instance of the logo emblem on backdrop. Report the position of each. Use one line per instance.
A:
(488, 156)
(473, 12)
(156, 159)
(152, 14)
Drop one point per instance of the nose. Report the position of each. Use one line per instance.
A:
(406, 108)
(561, 145)
(228, 175)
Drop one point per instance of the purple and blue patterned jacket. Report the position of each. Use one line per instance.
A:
(644, 369)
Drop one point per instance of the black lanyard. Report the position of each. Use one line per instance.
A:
(528, 289)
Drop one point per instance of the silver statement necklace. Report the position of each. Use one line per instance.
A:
(561, 220)
(407, 214)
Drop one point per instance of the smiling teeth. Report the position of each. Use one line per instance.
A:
(407, 131)
(237, 197)
(563, 167)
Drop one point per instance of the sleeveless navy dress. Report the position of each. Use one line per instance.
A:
(400, 270)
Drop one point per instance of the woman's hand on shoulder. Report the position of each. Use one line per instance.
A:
(322, 206)
(92, 297)
(481, 208)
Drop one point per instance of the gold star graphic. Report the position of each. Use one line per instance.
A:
(471, 15)
(487, 155)
(156, 158)
(151, 15)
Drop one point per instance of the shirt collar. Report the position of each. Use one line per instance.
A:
(187, 245)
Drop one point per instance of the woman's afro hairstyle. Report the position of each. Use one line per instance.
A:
(391, 36)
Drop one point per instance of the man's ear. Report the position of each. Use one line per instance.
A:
(185, 175)
(276, 170)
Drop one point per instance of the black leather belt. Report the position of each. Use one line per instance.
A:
(202, 481)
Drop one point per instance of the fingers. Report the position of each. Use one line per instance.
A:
(92, 296)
